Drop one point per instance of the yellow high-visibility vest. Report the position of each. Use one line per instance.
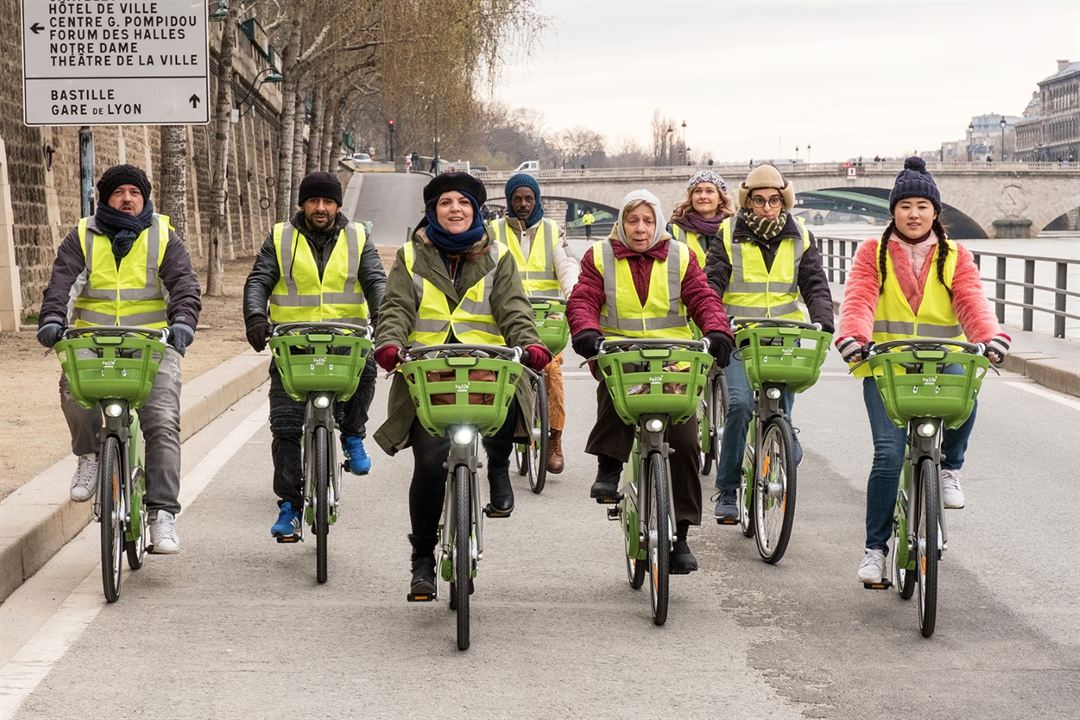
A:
(538, 270)
(300, 295)
(895, 320)
(753, 291)
(471, 322)
(663, 315)
(692, 239)
(129, 293)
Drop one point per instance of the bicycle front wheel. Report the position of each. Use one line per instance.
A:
(774, 490)
(538, 443)
(711, 431)
(659, 527)
(321, 448)
(459, 589)
(927, 545)
(111, 502)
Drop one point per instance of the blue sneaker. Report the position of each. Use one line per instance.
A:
(357, 460)
(288, 522)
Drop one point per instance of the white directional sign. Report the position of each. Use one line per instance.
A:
(106, 62)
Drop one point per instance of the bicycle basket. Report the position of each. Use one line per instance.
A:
(551, 324)
(788, 355)
(660, 381)
(912, 384)
(320, 362)
(461, 390)
(101, 367)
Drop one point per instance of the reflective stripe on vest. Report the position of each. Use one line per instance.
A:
(663, 315)
(300, 295)
(538, 271)
(471, 322)
(754, 291)
(692, 240)
(129, 293)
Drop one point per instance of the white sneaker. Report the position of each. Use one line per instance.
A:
(84, 481)
(163, 537)
(872, 567)
(951, 492)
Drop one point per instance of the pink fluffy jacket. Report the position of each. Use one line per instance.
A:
(972, 309)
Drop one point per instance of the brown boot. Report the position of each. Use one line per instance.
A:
(554, 455)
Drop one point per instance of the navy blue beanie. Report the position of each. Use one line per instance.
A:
(915, 181)
(525, 180)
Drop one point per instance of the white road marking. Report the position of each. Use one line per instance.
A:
(1042, 392)
(29, 666)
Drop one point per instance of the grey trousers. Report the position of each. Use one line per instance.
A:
(159, 418)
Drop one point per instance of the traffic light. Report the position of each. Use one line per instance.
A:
(390, 124)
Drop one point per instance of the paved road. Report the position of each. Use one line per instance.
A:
(393, 202)
(236, 626)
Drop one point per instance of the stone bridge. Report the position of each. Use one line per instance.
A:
(997, 200)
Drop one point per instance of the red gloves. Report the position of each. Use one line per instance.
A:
(388, 357)
(537, 357)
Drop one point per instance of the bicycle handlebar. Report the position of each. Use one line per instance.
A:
(537, 299)
(772, 322)
(925, 344)
(161, 334)
(418, 352)
(615, 345)
(331, 328)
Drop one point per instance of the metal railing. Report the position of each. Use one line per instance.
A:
(837, 255)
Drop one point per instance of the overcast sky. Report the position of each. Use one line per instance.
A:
(757, 79)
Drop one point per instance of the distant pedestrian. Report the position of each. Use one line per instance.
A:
(408, 162)
(416, 161)
(587, 220)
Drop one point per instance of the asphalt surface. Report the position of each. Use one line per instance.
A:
(235, 626)
(393, 202)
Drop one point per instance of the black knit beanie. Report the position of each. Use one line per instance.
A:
(320, 184)
(119, 175)
(915, 181)
(460, 181)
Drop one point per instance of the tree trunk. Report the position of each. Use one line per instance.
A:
(318, 110)
(288, 118)
(332, 140)
(174, 151)
(298, 145)
(219, 186)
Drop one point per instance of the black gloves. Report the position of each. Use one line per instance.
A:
(180, 336)
(720, 347)
(257, 329)
(586, 343)
(51, 331)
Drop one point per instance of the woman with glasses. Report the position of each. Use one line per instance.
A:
(765, 260)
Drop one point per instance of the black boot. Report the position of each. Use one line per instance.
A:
(502, 494)
(683, 561)
(423, 565)
(606, 488)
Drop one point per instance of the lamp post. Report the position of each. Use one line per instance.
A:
(670, 130)
(1001, 151)
(686, 154)
(971, 129)
(807, 152)
(220, 10)
(796, 153)
(272, 76)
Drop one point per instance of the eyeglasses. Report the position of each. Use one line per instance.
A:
(774, 201)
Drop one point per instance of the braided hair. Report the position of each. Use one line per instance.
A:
(942, 254)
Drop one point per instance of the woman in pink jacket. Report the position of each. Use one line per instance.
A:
(917, 268)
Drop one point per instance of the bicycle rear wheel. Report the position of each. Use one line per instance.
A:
(659, 527)
(774, 490)
(459, 589)
(712, 430)
(111, 501)
(321, 448)
(927, 549)
(538, 443)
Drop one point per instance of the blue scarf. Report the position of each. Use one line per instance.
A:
(123, 229)
(448, 241)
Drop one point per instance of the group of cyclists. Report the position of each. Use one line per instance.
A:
(458, 279)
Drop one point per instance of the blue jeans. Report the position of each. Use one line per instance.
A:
(738, 412)
(889, 445)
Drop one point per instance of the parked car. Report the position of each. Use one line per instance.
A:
(361, 158)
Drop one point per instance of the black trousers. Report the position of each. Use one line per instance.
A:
(610, 436)
(287, 426)
(428, 486)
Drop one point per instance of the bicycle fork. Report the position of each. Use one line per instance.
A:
(768, 405)
(469, 456)
(117, 415)
(924, 442)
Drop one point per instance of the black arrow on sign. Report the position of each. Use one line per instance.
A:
(194, 100)
(36, 28)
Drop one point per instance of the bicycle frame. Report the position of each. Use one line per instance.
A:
(919, 448)
(646, 443)
(767, 404)
(462, 454)
(319, 413)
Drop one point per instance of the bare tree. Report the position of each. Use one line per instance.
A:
(288, 118)
(174, 151)
(215, 269)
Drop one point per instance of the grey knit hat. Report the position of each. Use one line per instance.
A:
(707, 176)
(915, 181)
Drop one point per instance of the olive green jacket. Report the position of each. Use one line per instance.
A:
(398, 312)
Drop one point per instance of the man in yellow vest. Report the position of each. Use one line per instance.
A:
(318, 266)
(548, 269)
(125, 266)
(764, 261)
(588, 220)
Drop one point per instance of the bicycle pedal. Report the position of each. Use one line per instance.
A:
(614, 513)
(727, 521)
(491, 512)
(884, 584)
(609, 499)
(421, 597)
(288, 539)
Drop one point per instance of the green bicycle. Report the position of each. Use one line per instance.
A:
(653, 384)
(462, 392)
(113, 367)
(918, 393)
(778, 356)
(320, 362)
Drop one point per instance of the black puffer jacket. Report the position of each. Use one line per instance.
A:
(813, 284)
(265, 272)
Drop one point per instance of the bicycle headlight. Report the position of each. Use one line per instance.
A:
(321, 401)
(773, 393)
(464, 435)
(926, 429)
(654, 425)
(114, 410)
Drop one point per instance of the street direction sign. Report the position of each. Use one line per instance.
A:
(107, 62)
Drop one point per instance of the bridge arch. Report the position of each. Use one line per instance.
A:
(875, 201)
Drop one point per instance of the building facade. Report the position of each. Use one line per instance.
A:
(1050, 130)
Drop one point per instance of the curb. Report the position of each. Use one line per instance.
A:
(39, 518)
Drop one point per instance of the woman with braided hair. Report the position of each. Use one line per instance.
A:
(914, 282)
